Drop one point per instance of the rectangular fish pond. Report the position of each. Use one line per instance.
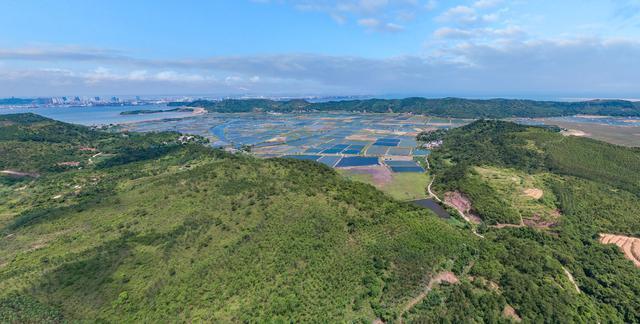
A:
(351, 161)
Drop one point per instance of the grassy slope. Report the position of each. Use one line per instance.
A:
(194, 234)
(403, 186)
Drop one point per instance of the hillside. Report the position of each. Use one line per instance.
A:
(544, 199)
(445, 107)
(188, 233)
(153, 229)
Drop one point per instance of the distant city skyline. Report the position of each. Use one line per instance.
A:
(478, 48)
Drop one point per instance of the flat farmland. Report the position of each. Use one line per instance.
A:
(405, 186)
(614, 130)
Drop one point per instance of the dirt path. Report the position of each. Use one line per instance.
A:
(570, 276)
(460, 212)
(94, 156)
(504, 225)
(446, 276)
(431, 194)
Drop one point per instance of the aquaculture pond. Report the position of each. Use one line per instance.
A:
(335, 139)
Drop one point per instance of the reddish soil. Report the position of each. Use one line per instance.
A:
(458, 200)
(537, 222)
(630, 245)
(462, 203)
(509, 312)
(474, 218)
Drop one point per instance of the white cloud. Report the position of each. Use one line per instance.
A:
(377, 25)
(459, 14)
(491, 34)
(448, 32)
(386, 15)
(486, 3)
(567, 67)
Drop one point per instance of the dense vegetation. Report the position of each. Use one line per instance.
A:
(161, 231)
(594, 187)
(446, 107)
(158, 230)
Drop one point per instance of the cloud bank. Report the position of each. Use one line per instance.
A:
(574, 67)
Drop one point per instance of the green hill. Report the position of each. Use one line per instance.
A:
(585, 188)
(188, 233)
(150, 229)
(445, 107)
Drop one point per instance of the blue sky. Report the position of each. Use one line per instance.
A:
(475, 48)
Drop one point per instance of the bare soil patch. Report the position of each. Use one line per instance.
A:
(474, 218)
(277, 139)
(534, 193)
(630, 245)
(462, 203)
(510, 313)
(458, 200)
(574, 132)
(538, 222)
(360, 137)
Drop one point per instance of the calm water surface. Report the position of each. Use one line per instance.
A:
(101, 115)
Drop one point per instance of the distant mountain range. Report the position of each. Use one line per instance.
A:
(445, 107)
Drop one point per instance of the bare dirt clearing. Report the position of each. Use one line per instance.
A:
(509, 312)
(574, 132)
(462, 203)
(534, 193)
(630, 245)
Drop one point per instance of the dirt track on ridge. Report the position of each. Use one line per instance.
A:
(446, 276)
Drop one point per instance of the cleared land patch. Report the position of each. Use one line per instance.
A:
(534, 193)
(463, 204)
(402, 186)
(630, 245)
(536, 205)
